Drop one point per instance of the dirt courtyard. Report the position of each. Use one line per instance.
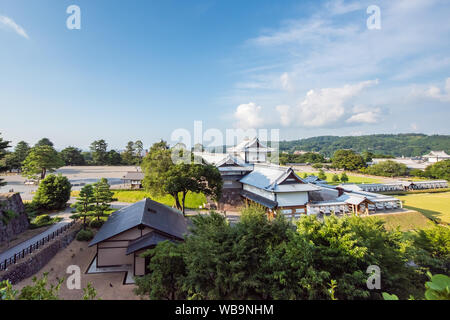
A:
(109, 286)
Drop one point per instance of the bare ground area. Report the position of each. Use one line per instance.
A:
(109, 286)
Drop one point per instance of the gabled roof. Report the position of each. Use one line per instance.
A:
(150, 239)
(147, 213)
(233, 160)
(250, 145)
(134, 175)
(313, 179)
(437, 154)
(269, 177)
(211, 158)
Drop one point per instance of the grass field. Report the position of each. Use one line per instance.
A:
(435, 206)
(406, 221)
(351, 178)
(193, 200)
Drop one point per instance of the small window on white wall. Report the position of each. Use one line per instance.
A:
(286, 211)
(301, 210)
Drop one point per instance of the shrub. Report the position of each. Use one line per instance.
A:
(335, 178)
(42, 219)
(85, 235)
(53, 193)
(96, 224)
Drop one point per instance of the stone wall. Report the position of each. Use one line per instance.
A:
(35, 261)
(16, 225)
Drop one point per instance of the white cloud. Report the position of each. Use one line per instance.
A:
(285, 115)
(248, 116)
(10, 24)
(441, 95)
(365, 117)
(326, 106)
(286, 81)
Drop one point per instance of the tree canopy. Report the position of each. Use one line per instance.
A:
(72, 157)
(53, 192)
(40, 160)
(3, 146)
(387, 168)
(348, 160)
(162, 176)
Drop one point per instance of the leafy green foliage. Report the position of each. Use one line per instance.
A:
(439, 170)
(162, 176)
(40, 160)
(99, 153)
(347, 160)
(438, 288)
(84, 204)
(72, 157)
(431, 249)
(322, 175)
(259, 258)
(308, 157)
(40, 290)
(408, 145)
(335, 178)
(103, 196)
(43, 220)
(85, 235)
(53, 193)
(3, 146)
(167, 272)
(387, 168)
(344, 177)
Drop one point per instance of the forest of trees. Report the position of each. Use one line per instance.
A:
(408, 145)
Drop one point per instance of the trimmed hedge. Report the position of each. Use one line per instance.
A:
(85, 235)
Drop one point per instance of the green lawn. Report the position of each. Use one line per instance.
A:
(435, 206)
(193, 200)
(406, 221)
(351, 178)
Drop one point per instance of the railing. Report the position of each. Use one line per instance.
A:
(34, 246)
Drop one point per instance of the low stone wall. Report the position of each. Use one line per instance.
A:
(231, 199)
(35, 261)
(12, 202)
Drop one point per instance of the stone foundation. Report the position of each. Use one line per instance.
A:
(9, 229)
(231, 199)
(35, 261)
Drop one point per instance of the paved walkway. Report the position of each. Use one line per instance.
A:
(19, 247)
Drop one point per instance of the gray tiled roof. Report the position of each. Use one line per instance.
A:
(134, 175)
(146, 212)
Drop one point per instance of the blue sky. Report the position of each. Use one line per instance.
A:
(141, 69)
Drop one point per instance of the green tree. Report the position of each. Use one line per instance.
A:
(347, 160)
(103, 196)
(344, 177)
(99, 153)
(439, 170)
(167, 272)
(387, 168)
(129, 155)
(114, 158)
(139, 149)
(53, 192)
(40, 160)
(335, 178)
(3, 146)
(44, 142)
(72, 157)
(85, 204)
(322, 175)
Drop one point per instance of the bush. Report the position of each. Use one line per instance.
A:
(96, 224)
(387, 168)
(85, 235)
(42, 219)
(53, 193)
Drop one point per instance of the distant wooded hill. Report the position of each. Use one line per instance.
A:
(408, 145)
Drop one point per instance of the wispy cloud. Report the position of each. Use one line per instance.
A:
(11, 24)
